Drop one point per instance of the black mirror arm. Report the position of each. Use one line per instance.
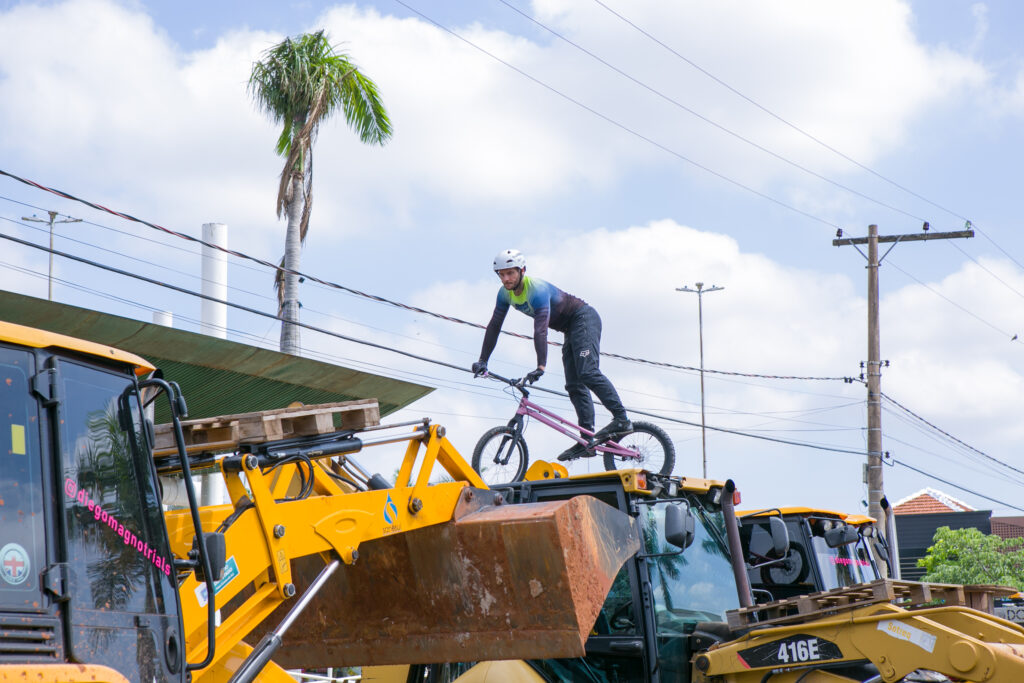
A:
(177, 405)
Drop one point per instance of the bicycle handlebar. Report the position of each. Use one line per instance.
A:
(519, 383)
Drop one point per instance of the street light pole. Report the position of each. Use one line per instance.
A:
(700, 291)
(53, 216)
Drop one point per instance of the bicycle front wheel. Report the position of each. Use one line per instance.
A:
(652, 444)
(499, 457)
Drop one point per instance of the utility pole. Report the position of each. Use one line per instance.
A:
(53, 216)
(874, 364)
(700, 291)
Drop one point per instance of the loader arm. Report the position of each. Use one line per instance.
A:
(269, 533)
(959, 642)
(500, 571)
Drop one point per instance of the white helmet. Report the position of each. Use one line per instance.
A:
(509, 258)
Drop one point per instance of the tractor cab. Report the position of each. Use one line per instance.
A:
(86, 572)
(826, 550)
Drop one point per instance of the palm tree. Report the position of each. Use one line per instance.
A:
(299, 83)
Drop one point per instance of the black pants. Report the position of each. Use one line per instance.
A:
(581, 356)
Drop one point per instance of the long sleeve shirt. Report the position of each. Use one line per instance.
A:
(548, 305)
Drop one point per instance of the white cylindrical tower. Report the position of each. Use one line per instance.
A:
(214, 318)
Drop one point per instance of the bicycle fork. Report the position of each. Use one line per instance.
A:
(509, 441)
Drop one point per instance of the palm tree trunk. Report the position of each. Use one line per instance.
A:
(292, 258)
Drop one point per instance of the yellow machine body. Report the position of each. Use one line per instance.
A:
(432, 571)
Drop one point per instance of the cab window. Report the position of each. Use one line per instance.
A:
(22, 545)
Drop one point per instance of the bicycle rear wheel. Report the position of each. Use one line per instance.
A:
(655, 448)
(499, 458)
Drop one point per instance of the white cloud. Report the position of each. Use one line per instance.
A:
(979, 11)
(104, 104)
(770, 319)
(808, 62)
(177, 131)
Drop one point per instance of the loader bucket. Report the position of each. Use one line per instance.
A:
(497, 582)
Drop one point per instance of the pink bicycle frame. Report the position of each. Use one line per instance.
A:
(530, 409)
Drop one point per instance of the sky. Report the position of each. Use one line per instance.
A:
(628, 149)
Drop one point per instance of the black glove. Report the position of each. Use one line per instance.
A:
(479, 368)
(533, 375)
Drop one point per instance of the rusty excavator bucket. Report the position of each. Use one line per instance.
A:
(495, 582)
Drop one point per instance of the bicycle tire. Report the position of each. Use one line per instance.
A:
(487, 450)
(657, 452)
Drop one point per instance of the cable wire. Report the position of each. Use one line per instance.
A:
(950, 301)
(617, 124)
(391, 302)
(806, 134)
(409, 354)
(949, 436)
(709, 121)
(956, 486)
(383, 347)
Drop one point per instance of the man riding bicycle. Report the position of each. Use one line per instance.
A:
(550, 307)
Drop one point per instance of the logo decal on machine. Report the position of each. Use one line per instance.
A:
(911, 634)
(81, 496)
(230, 573)
(794, 650)
(14, 564)
(390, 511)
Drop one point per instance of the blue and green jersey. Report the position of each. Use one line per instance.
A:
(548, 305)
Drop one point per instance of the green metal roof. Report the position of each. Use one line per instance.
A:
(216, 376)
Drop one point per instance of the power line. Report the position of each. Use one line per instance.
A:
(267, 298)
(380, 346)
(950, 301)
(617, 124)
(418, 357)
(975, 466)
(806, 134)
(389, 370)
(949, 436)
(390, 302)
(977, 263)
(724, 430)
(232, 288)
(223, 302)
(707, 120)
(430, 360)
(956, 486)
(384, 347)
(380, 299)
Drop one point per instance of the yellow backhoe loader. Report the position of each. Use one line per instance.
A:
(96, 584)
(826, 550)
(682, 608)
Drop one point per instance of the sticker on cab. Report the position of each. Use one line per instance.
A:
(14, 564)
(230, 572)
(911, 634)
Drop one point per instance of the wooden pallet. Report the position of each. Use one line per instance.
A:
(225, 432)
(907, 594)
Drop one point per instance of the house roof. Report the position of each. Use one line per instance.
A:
(929, 500)
(216, 376)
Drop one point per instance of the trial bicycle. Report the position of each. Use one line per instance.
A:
(501, 455)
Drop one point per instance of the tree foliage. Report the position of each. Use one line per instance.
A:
(968, 556)
(300, 83)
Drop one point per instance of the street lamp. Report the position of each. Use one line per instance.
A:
(53, 215)
(700, 292)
